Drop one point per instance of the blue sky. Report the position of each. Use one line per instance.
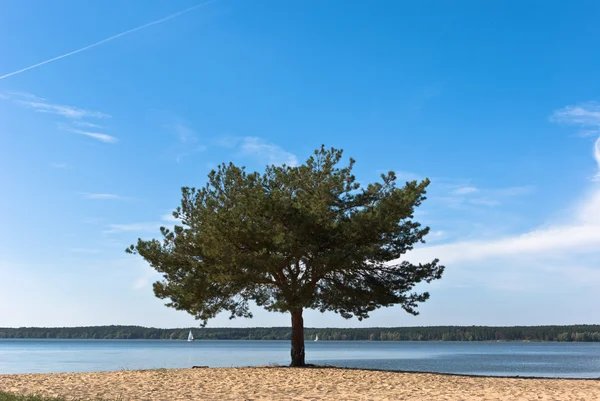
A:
(495, 102)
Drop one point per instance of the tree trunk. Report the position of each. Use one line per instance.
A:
(297, 338)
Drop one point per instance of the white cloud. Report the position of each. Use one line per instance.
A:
(587, 116)
(146, 276)
(168, 217)
(86, 124)
(101, 196)
(589, 133)
(62, 110)
(553, 253)
(465, 190)
(75, 114)
(184, 133)
(435, 236)
(584, 114)
(259, 149)
(573, 239)
(143, 227)
(460, 201)
(134, 227)
(140, 283)
(23, 95)
(460, 196)
(41, 105)
(597, 156)
(96, 135)
(265, 151)
(187, 141)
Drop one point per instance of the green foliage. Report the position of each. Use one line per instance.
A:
(292, 238)
(580, 333)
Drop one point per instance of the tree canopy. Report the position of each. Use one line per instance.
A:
(292, 238)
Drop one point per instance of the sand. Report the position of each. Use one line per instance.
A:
(268, 383)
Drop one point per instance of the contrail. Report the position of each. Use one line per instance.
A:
(177, 14)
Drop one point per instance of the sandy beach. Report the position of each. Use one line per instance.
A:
(267, 383)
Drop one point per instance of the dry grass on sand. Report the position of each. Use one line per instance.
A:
(264, 383)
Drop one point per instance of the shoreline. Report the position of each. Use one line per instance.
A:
(280, 382)
(472, 375)
(287, 340)
(471, 333)
(323, 367)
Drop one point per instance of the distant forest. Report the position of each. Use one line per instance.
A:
(581, 333)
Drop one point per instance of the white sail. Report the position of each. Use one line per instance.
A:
(190, 336)
(317, 337)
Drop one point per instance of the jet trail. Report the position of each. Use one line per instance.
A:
(177, 14)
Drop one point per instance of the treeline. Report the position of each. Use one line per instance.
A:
(580, 333)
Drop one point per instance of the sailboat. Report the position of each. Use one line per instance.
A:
(317, 337)
(190, 336)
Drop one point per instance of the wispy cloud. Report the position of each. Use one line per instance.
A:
(96, 135)
(187, 141)
(258, 149)
(147, 276)
(465, 191)
(102, 196)
(86, 124)
(168, 217)
(177, 14)
(62, 110)
(554, 254)
(265, 151)
(584, 114)
(587, 116)
(597, 157)
(59, 165)
(462, 195)
(141, 282)
(41, 105)
(23, 95)
(437, 235)
(74, 115)
(134, 227)
(582, 235)
(184, 133)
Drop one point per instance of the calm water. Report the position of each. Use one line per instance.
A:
(510, 359)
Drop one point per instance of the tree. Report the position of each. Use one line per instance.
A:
(293, 238)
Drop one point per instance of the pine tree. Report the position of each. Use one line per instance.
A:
(290, 239)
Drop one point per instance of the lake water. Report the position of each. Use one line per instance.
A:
(503, 359)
